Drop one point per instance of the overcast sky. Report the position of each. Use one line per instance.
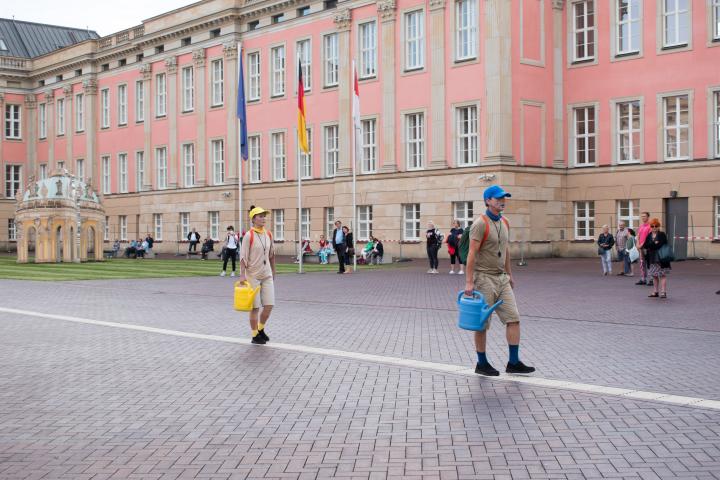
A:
(100, 15)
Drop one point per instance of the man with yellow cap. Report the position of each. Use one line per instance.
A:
(257, 266)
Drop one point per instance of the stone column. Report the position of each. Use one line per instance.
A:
(230, 67)
(69, 160)
(31, 136)
(201, 178)
(343, 22)
(90, 90)
(50, 127)
(146, 72)
(498, 82)
(437, 80)
(388, 13)
(173, 157)
(558, 68)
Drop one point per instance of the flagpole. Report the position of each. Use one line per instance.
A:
(354, 167)
(239, 150)
(298, 168)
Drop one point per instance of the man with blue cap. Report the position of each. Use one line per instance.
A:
(488, 271)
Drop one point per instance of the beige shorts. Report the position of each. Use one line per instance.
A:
(266, 295)
(494, 288)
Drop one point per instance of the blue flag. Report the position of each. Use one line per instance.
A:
(241, 112)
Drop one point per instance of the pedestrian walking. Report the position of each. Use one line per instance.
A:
(621, 236)
(349, 246)
(605, 243)
(232, 241)
(151, 241)
(643, 232)
(339, 245)
(658, 267)
(488, 271)
(630, 247)
(434, 242)
(194, 238)
(257, 266)
(453, 242)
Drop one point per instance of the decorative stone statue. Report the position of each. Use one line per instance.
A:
(59, 185)
(34, 189)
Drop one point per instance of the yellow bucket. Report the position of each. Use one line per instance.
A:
(244, 296)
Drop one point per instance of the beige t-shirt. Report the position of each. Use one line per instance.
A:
(257, 258)
(487, 259)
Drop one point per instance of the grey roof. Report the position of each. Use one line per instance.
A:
(30, 40)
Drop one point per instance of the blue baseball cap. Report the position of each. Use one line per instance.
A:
(496, 191)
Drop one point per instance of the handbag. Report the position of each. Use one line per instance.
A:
(634, 254)
(351, 251)
(665, 254)
(601, 251)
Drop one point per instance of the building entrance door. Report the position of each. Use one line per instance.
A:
(676, 225)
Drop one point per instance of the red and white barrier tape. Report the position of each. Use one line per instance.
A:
(696, 238)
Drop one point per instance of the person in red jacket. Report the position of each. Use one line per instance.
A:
(643, 232)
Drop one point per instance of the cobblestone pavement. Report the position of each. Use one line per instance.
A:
(82, 401)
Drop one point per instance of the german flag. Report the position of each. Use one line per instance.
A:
(302, 131)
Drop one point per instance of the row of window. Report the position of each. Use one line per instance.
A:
(674, 20)
(627, 126)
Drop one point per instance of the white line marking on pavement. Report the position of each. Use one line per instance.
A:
(401, 362)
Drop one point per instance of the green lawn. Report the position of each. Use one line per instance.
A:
(131, 268)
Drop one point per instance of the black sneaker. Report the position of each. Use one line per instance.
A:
(263, 335)
(486, 370)
(519, 367)
(258, 340)
(641, 282)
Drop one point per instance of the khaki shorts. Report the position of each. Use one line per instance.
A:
(494, 288)
(266, 296)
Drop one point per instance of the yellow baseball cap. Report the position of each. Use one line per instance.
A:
(257, 211)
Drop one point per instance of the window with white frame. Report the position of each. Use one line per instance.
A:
(277, 146)
(139, 101)
(414, 40)
(60, 108)
(43, 171)
(188, 155)
(466, 28)
(105, 108)
(12, 230)
(218, 160)
(364, 219)
(12, 121)
(214, 220)
(415, 140)
(13, 180)
(160, 95)
(106, 187)
(122, 105)
(411, 222)
(583, 30)
(584, 220)
(676, 126)
(79, 112)
(628, 131)
(331, 57)
(305, 223)
(188, 89)
(329, 222)
(254, 158)
(628, 211)
(628, 27)
(306, 158)
(217, 80)
(184, 225)
(162, 166)
(277, 71)
(717, 218)
(675, 22)
(123, 227)
(716, 19)
(369, 145)
(278, 218)
(368, 49)
(42, 120)
(466, 126)
(122, 173)
(716, 124)
(463, 213)
(253, 62)
(304, 54)
(80, 168)
(332, 150)
(584, 135)
(139, 170)
(158, 224)
(106, 229)
(61, 165)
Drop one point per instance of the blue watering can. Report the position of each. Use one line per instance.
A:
(473, 311)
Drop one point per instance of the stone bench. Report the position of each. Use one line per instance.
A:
(314, 258)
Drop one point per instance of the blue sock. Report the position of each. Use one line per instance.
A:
(482, 358)
(514, 354)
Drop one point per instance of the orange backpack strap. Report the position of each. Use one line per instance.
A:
(487, 230)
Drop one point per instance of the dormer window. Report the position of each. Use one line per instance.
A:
(3, 45)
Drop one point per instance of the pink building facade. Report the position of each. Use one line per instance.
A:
(587, 111)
